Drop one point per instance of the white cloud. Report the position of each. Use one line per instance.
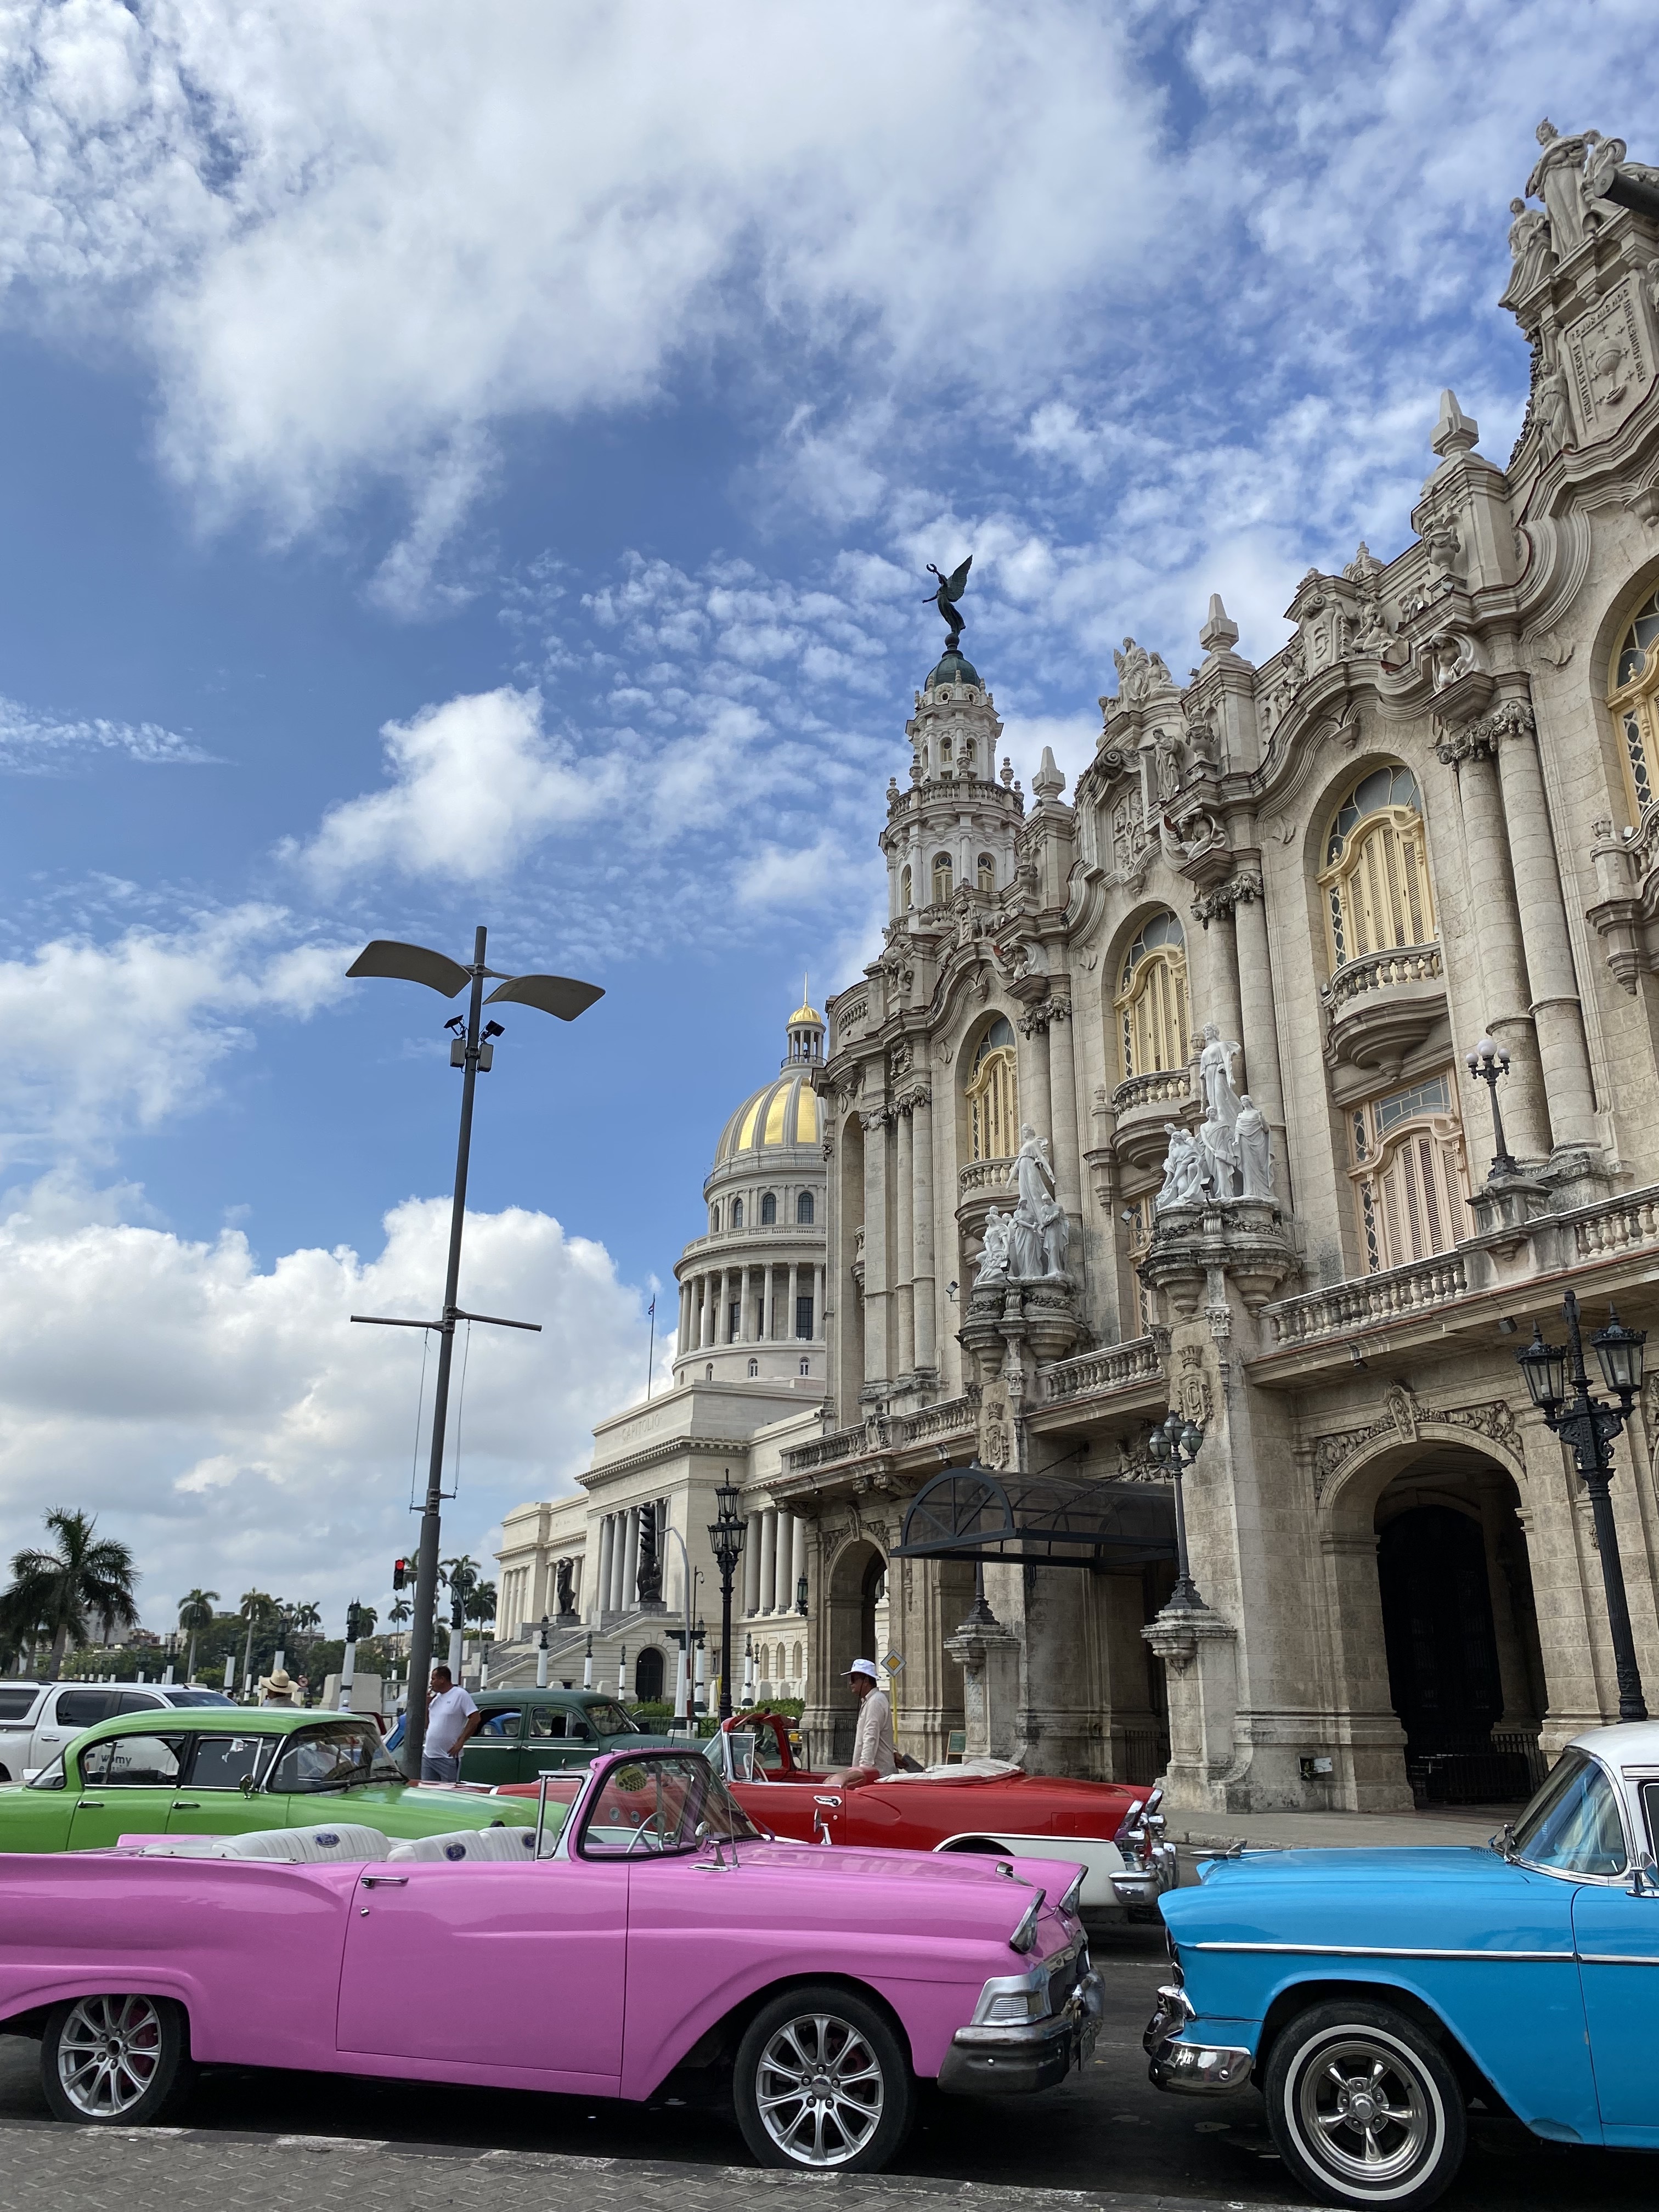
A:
(41, 743)
(474, 783)
(121, 1035)
(232, 1424)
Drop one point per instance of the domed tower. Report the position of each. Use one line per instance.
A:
(752, 1290)
(957, 824)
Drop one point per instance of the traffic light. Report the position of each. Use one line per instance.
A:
(400, 1570)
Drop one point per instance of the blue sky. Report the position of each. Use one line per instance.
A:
(479, 465)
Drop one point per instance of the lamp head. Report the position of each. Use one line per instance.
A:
(1620, 1350)
(1544, 1366)
(1158, 1444)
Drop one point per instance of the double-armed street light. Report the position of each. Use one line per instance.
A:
(725, 1536)
(1587, 1426)
(472, 1050)
(1176, 1445)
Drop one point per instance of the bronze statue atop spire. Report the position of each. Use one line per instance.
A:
(950, 589)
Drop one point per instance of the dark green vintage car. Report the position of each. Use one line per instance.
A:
(219, 1771)
(529, 1732)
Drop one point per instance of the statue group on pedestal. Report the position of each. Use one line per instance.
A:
(1230, 1155)
(1029, 1243)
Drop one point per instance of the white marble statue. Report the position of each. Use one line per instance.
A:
(1532, 253)
(1557, 180)
(1215, 1077)
(1217, 1144)
(1032, 1245)
(1256, 1149)
(1183, 1169)
(994, 1259)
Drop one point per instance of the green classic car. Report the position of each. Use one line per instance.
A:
(215, 1771)
(529, 1732)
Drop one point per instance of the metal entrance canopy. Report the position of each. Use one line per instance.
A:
(1042, 1520)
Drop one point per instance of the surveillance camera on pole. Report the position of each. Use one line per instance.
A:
(472, 1049)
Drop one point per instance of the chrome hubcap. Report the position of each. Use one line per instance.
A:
(1364, 2109)
(819, 2090)
(109, 2054)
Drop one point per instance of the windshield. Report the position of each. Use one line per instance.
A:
(1572, 1826)
(341, 1755)
(611, 1720)
(647, 1807)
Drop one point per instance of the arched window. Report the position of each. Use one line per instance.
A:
(806, 1367)
(985, 870)
(737, 1213)
(1376, 879)
(1151, 1000)
(754, 1369)
(798, 1670)
(942, 878)
(1634, 698)
(803, 1209)
(968, 757)
(714, 1219)
(905, 899)
(709, 1372)
(768, 1208)
(648, 1676)
(1410, 1185)
(993, 1095)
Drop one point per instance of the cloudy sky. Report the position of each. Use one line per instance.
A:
(477, 464)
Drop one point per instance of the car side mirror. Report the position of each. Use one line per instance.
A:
(1643, 1878)
(245, 1786)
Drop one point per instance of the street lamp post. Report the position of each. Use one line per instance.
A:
(683, 1679)
(471, 1049)
(1587, 1426)
(541, 1654)
(726, 1536)
(1486, 1064)
(1176, 1445)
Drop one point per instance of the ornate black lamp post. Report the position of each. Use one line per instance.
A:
(1486, 1064)
(725, 1537)
(1176, 1445)
(1588, 1426)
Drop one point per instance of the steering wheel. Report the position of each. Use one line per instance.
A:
(653, 1828)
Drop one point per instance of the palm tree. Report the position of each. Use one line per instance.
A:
(306, 1621)
(195, 1614)
(480, 1603)
(59, 1590)
(400, 1611)
(257, 1608)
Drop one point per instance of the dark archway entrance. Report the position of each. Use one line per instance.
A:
(1465, 1668)
(648, 1676)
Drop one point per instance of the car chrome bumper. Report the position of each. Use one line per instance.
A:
(1189, 2069)
(1144, 1885)
(1009, 2062)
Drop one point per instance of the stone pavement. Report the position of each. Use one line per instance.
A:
(46, 2168)
(1472, 1824)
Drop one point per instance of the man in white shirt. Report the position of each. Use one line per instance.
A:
(872, 1738)
(450, 1718)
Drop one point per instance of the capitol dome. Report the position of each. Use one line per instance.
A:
(781, 1114)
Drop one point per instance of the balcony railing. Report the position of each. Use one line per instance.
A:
(952, 1418)
(1382, 971)
(1115, 1368)
(1160, 1087)
(1623, 1225)
(824, 1451)
(1369, 1301)
(984, 1175)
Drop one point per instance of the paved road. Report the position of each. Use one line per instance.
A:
(1107, 2134)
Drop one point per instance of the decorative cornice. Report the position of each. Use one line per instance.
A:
(1239, 889)
(1480, 739)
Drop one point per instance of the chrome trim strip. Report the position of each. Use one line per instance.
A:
(1380, 1951)
(1613, 1958)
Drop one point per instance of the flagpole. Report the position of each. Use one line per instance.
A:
(651, 1356)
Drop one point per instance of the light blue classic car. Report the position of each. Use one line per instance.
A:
(1372, 1996)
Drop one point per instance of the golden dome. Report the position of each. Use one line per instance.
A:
(782, 1113)
(805, 1013)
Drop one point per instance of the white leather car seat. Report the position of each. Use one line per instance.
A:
(511, 1843)
(313, 1845)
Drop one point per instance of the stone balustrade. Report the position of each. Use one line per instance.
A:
(1623, 1225)
(1369, 1301)
(1115, 1368)
(984, 1175)
(1162, 1086)
(825, 1451)
(1382, 971)
(952, 1417)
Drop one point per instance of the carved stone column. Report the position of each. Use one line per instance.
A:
(1199, 1654)
(921, 1229)
(745, 1292)
(602, 1583)
(1562, 1052)
(877, 1360)
(905, 1350)
(751, 1568)
(1068, 1170)
(769, 1560)
(1503, 965)
(1259, 1032)
(1223, 1004)
(988, 1655)
(1036, 1104)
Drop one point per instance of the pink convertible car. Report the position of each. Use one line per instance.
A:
(644, 1929)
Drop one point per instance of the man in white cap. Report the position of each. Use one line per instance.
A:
(872, 1739)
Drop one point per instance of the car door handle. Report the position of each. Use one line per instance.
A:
(187, 1805)
(89, 1804)
(385, 1882)
(826, 1801)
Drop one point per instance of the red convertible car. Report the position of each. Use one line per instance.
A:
(1111, 1828)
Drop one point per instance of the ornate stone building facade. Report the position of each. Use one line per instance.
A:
(1428, 817)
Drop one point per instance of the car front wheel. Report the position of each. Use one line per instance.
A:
(1364, 2108)
(118, 2060)
(822, 2082)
